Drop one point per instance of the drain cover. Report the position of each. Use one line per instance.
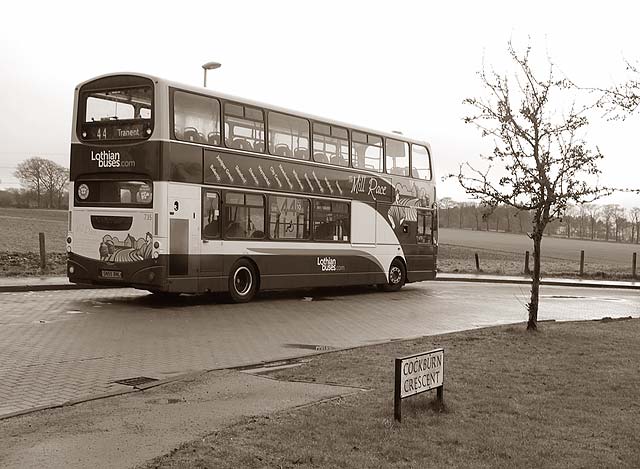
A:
(137, 381)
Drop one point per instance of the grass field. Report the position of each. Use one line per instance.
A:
(19, 241)
(461, 259)
(565, 396)
(19, 229)
(596, 252)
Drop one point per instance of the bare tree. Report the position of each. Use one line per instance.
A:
(30, 173)
(543, 159)
(43, 177)
(447, 203)
(55, 179)
(623, 100)
(609, 213)
(634, 215)
(582, 213)
(594, 213)
(620, 221)
(477, 211)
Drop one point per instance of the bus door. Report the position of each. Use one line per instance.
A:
(211, 242)
(184, 232)
(424, 252)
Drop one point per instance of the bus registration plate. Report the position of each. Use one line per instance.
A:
(110, 274)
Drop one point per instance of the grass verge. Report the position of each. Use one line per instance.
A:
(27, 264)
(565, 396)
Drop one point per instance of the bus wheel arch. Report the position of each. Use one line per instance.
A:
(244, 280)
(397, 275)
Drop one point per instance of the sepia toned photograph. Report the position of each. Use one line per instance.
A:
(285, 234)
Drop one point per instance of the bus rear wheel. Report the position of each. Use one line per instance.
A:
(397, 277)
(243, 282)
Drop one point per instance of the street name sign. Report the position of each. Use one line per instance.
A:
(416, 374)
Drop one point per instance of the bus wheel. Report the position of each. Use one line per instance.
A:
(243, 282)
(397, 277)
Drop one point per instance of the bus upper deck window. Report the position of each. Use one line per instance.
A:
(117, 114)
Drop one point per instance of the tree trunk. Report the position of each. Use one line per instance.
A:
(520, 221)
(532, 324)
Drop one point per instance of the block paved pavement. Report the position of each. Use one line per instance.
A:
(57, 346)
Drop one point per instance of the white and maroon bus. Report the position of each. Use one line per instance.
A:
(176, 188)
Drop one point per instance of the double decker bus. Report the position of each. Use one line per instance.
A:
(179, 189)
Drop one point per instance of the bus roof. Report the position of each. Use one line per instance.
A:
(217, 94)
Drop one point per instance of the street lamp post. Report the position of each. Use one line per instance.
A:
(209, 66)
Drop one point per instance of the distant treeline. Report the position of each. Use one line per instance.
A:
(610, 222)
(24, 198)
(44, 185)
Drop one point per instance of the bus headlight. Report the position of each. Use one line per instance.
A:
(156, 244)
(155, 254)
(71, 269)
(68, 248)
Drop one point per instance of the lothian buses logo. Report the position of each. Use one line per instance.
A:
(111, 159)
(329, 264)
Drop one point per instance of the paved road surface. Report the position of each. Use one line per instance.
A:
(57, 346)
(560, 248)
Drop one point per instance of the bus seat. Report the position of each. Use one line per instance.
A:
(282, 150)
(338, 160)
(234, 230)
(257, 234)
(190, 134)
(320, 157)
(241, 144)
(213, 138)
(258, 146)
(301, 153)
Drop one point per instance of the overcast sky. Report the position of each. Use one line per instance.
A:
(403, 66)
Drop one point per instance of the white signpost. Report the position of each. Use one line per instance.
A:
(416, 374)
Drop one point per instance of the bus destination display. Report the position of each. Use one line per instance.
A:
(119, 131)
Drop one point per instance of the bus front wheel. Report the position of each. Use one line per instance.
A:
(243, 282)
(397, 277)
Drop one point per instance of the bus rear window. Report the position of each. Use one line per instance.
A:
(118, 114)
(114, 193)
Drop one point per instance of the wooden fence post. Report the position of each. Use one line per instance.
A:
(633, 266)
(581, 263)
(477, 263)
(43, 254)
(527, 271)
